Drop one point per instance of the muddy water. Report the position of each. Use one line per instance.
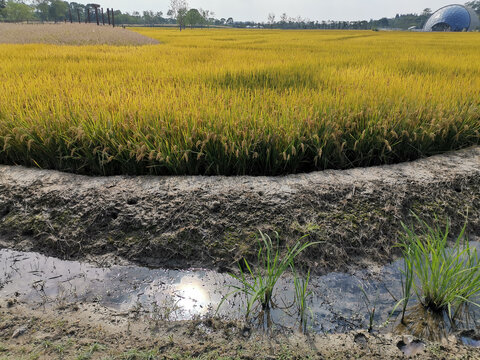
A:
(337, 304)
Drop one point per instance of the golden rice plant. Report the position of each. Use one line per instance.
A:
(258, 102)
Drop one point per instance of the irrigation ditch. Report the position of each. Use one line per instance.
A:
(136, 265)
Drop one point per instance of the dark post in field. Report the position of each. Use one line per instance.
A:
(103, 18)
(96, 6)
(78, 14)
(108, 14)
(70, 14)
(113, 18)
(88, 16)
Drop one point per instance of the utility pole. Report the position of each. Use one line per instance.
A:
(78, 14)
(103, 18)
(108, 14)
(113, 18)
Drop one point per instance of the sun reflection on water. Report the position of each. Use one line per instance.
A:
(193, 298)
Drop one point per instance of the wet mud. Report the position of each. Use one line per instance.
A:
(66, 309)
(339, 302)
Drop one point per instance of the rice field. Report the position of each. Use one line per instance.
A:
(232, 102)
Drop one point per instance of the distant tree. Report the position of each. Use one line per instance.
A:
(58, 10)
(149, 17)
(271, 19)
(42, 8)
(16, 11)
(229, 21)
(475, 5)
(159, 14)
(158, 18)
(406, 21)
(181, 17)
(193, 18)
(383, 22)
(75, 9)
(206, 16)
(3, 5)
(178, 11)
(427, 12)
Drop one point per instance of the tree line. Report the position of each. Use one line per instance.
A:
(59, 11)
(400, 21)
(182, 15)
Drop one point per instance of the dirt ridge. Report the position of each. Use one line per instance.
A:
(191, 221)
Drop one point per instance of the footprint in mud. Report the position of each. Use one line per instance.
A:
(360, 339)
(470, 338)
(411, 348)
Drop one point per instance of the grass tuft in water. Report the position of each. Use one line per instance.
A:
(442, 278)
(370, 306)
(301, 296)
(258, 284)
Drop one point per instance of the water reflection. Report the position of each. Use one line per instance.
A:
(424, 324)
(194, 299)
(433, 326)
(337, 303)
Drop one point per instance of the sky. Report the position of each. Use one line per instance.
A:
(258, 10)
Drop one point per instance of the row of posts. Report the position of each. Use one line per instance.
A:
(110, 15)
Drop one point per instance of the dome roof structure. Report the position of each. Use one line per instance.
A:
(453, 18)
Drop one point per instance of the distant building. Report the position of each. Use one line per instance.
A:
(453, 18)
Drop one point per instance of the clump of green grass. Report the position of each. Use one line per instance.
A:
(442, 278)
(301, 296)
(258, 284)
(140, 355)
(370, 306)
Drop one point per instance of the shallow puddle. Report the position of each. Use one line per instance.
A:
(338, 303)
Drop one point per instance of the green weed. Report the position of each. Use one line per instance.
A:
(140, 355)
(443, 279)
(370, 306)
(258, 284)
(301, 296)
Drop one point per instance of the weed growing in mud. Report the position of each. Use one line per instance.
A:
(301, 295)
(371, 307)
(90, 352)
(444, 279)
(140, 355)
(165, 311)
(258, 285)
(407, 283)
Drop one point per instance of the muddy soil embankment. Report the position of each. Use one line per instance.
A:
(186, 222)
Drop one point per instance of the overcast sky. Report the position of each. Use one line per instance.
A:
(258, 10)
